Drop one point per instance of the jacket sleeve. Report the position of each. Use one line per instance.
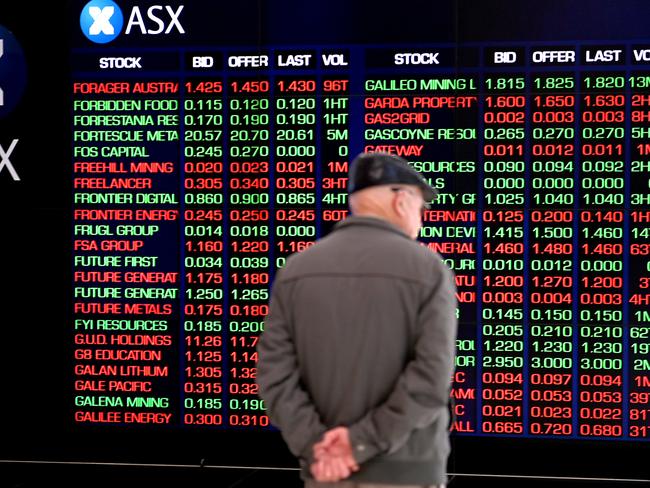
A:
(288, 405)
(421, 393)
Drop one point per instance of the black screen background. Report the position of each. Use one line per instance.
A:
(35, 222)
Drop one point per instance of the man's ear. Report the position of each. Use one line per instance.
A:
(400, 206)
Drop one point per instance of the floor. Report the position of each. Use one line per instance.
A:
(103, 476)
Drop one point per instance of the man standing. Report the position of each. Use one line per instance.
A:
(357, 356)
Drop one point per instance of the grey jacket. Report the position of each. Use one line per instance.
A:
(361, 332)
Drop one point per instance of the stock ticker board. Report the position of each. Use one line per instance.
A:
(197, 170)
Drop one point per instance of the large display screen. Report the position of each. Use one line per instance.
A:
(200, 144)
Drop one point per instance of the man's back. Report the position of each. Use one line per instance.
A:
(356, 295)
(362, 304)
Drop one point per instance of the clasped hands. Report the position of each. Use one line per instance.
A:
(333, 457)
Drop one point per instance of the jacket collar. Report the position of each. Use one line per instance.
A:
(376, 222)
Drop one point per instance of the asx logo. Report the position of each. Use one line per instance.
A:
(101, 21)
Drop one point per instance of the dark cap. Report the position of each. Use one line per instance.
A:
(379, 168)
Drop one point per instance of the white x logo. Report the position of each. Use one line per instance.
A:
(101, 22)
(5, 160)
